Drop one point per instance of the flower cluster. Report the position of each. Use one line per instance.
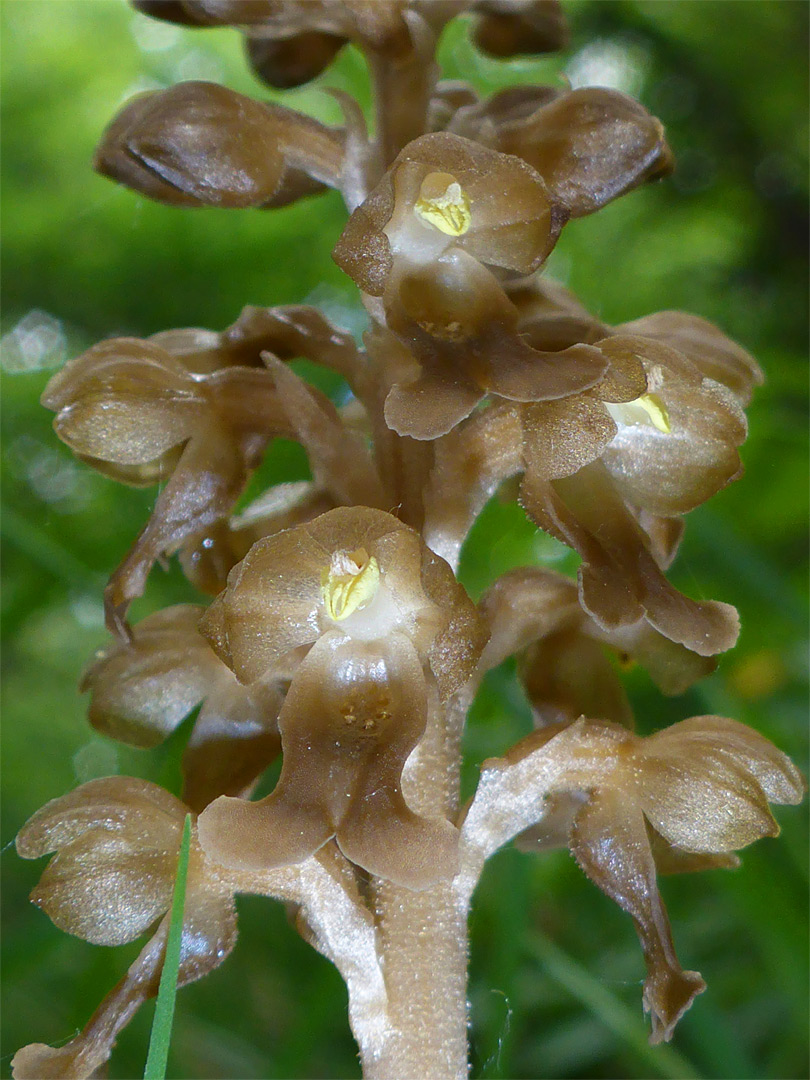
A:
(339, 636)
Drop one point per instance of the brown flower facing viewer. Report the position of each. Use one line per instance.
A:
(391, 635)
(140, 691)
(419, 243)
(694, 793)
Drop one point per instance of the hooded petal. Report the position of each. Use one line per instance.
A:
(590, 146)
(673, 456)
(716, 356)
(117, 841)
(706, 783)
(124, 401)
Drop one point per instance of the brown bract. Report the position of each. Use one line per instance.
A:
(419, 242)
(140, 692)
(702, 785)
(117, 842)
(200, 144)
(386, 622)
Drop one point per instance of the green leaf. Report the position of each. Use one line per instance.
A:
(167, 991)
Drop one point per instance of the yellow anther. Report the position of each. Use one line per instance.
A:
(444, 204)
(349, 583)
(657, 411)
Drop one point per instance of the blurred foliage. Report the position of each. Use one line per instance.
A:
(556, 969)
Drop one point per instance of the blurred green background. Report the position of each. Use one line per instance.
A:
(556, 970)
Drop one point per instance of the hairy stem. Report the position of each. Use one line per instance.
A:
(423, 935)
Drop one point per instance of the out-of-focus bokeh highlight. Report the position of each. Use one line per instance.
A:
(556, 970)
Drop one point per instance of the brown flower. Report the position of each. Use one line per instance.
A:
(389, 627)
(536, 615)
(135, 411)
(117, 842)
(200, 144)
(590, 145)
(140, 691)
(419, 243)
(702, 785)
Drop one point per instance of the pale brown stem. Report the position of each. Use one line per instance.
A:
(423, 935)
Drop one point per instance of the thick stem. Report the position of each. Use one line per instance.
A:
(423, 935)
(424, 945)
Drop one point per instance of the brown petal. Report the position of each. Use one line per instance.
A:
(713, 354)
(590, 146)
(203, 489)
(609, 841)
(672, 472)
(117, 841)
(143, 811)
(560, 437)
(141, 690)
(340, 461)
(672, 860)
(363, 251)
(461, 634)
(524, 605)
(290, 332)
(432, 405)
(270, 605)
(699, 795)
(84, 1055)
(471, 462)
(521, 373)
(672, 667)
(601, 528)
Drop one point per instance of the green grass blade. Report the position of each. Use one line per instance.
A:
(662, 1060)
(167, 991)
